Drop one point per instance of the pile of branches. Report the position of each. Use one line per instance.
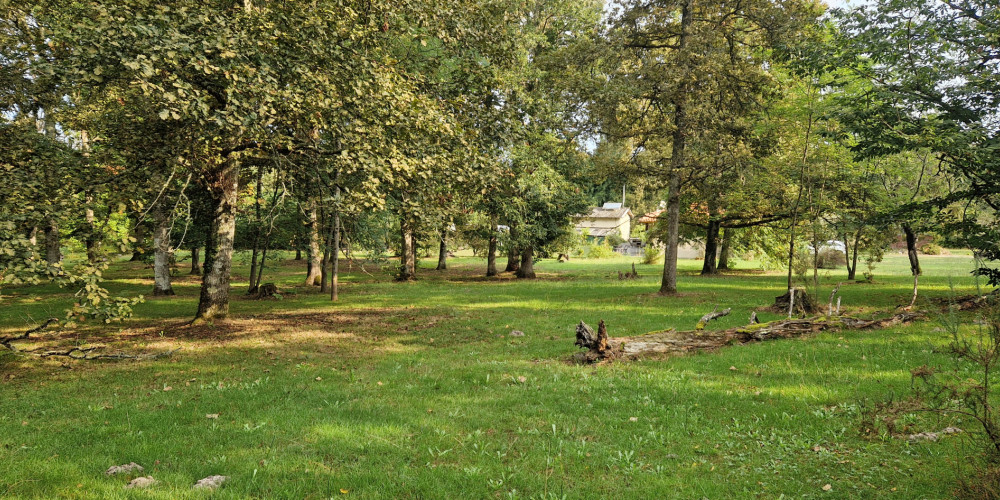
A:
(74, 352)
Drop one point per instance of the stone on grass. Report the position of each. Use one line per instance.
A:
(211, 482)
(141, 482)
(123, 469)
(517, 333)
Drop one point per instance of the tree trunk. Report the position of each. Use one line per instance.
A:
(325, 263)
(195, 264)
(491, 255)
(53, 255)
(252, 288)
(911, 250)
(443, 251)
(513, 260)
(668, 285)
(724, 252)
(223, 184)
(161, 250)
(527, 267)
(408, 252)
(711, 248)
(90, 238)
(852, 266)
(335, 280)
(314, 265)
(298, 254)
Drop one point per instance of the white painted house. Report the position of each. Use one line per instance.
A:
(601, 222)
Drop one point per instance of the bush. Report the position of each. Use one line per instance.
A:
(614, 240)
(931, 249)
(600, 251)
(831, 259)
(651, 254)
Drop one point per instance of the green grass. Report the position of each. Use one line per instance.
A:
(413, 390)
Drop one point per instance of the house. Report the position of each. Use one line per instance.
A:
(604, 221)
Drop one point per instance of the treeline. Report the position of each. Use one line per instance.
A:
(332, 125)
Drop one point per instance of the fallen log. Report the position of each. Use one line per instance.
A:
(715, 314)
(600, 347)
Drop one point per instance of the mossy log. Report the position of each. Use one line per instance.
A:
(600, 347)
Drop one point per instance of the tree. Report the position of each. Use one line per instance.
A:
(687, 67)
(933, 70)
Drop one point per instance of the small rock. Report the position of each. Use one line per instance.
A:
(211, 482)
(141, 482)
(517, 333)
(827, 487)
(123, 469)
(951, 430)
(633, 419)
(923, 436)
(732, 368)
(212, 416)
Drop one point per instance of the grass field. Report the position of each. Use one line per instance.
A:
(416, 390)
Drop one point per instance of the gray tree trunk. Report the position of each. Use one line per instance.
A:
(724, 252)
(162, 252)
(711, 248)
(408, 251)
(335, 279)
(53, 255)
(491, 256)
(223, 185)
(313, 252)
(443, 251)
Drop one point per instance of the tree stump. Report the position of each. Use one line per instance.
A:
(803, 303)
(265, 291)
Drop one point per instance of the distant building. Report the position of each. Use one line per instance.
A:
(601, 222)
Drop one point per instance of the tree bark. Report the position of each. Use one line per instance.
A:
(443, 251)
(852, 265)
(313, 252)
(527, 267)
(602, 347)
(668, 285)
(335, 279)
(252, 288)
(298, 254)
(195, 264)
(513, 260)
(53, 255)
(724, 252)
(90, 238)
(408, 251)
(491, 254)
(162, 252)
(711, 248)
(223, 184)
(911, 250)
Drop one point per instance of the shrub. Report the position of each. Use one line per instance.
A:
(614, 240)
(600, 251)
(931, 249)
(651, 254)
(831, 259)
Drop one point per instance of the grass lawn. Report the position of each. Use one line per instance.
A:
(416, 390)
